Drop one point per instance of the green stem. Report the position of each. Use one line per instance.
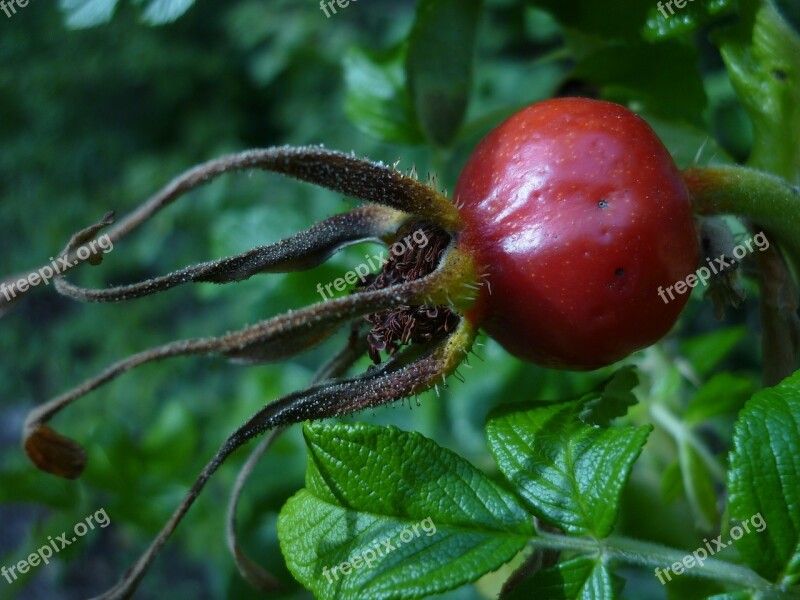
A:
(680, 433)
(769, 201)
(648, 554)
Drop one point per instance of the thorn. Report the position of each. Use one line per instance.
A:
(489, 286)
(479, 345)
(436, 387)
(458, 376)
(466, 361)
(478, 356)
(444, 381)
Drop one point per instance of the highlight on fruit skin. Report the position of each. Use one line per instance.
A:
(565, 221)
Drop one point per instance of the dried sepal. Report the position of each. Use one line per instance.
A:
(280, 337)
(54, 453)
(252, 572)
(301, 251)
(343, 173)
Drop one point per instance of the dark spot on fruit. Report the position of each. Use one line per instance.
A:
(619, 272)
(779, 74)
(602, 204)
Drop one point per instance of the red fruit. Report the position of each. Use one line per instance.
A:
(581, 215)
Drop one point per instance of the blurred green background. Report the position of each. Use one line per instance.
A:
(97, 119)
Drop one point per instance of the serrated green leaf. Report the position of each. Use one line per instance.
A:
(439, 64)
(377, 100)
(581, 578)
(764, 479)
(612, 398)
(368, 486)
(706, 351)
(665, 20)
(87, 13)
(571, 474)
(724, 393)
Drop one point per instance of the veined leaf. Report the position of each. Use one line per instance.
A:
(571, 474)
(409, 517)
(764, 480)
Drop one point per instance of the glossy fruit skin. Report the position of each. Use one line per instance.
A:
(580, 215)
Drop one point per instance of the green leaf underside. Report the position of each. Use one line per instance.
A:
(765, 478)
(368, 485)
(571, 474)
(581, 578)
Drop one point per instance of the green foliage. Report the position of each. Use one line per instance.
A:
(100, 117)
(439, 65)
(765, 479)
(89, 13)
(360, 498)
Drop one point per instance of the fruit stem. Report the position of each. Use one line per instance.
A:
(769, 201)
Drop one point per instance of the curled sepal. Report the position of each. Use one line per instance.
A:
(411, 371)
(343, 173)
(299, 252)
(252, 572)
(277, 338)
